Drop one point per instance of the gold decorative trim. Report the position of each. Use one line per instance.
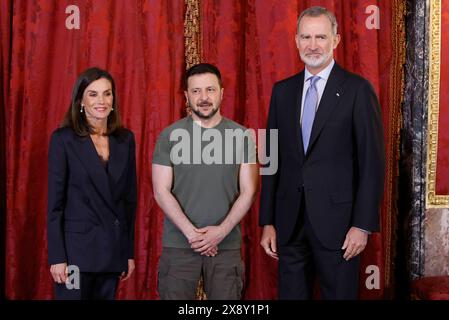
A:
(396, 97)
(432, 199)
(192, 36)
(192, 33)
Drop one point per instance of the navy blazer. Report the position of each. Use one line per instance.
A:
(91, 212)
(341, 176)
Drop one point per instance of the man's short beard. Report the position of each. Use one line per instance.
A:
(203, 116)
(316, 63)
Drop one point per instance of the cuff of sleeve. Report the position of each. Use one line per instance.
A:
(363, 230)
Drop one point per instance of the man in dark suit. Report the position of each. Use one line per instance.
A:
(318, 209)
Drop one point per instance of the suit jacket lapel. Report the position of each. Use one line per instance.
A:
(299, 89)
(117, 157)
(88, 156)
(332, 93)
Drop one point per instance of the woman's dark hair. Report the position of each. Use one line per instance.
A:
(76, 119)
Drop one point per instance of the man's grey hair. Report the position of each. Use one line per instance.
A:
(316, 12)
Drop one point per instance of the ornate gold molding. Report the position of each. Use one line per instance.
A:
(432, 199)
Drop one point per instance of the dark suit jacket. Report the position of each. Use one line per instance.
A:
(91, 214)
(341, 176)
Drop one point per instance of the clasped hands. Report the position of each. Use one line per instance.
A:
(205, 240)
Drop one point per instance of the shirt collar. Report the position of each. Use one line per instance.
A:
(323, 74)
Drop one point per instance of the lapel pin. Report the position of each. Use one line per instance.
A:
(338, 94)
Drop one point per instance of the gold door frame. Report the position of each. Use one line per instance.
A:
(434, 200)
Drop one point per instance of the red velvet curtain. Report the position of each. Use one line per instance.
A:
(5, 31)
(141, 43)
(252, 42)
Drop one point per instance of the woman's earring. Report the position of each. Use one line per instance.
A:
(112, 108)
(82, 109)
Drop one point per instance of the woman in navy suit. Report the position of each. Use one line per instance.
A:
(91, 193)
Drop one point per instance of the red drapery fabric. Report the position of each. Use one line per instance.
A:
(252, 43)
(5, 31)
(141, 43)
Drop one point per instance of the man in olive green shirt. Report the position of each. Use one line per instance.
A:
(204, 179)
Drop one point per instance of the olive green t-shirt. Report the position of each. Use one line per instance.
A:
(206, 163)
